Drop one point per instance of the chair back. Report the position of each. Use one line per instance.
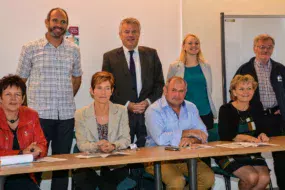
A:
(213, 134)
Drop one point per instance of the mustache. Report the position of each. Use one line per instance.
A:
(56, 27)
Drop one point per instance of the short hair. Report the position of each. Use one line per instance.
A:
(175, 78)
(57, 9)
(200, 57)
(241, 78)
(130, 20)
(12, 80)
(100, 77)
(263, 37)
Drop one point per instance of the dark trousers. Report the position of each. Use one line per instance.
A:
(21, 181)
(137, 127)
(88, 179)
(208, 120)
(275, 125)
(60, 132)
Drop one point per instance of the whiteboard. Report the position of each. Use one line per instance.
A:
(238, 33)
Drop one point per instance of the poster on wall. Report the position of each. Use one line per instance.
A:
(72, 34)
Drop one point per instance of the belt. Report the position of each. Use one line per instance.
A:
(270, 111)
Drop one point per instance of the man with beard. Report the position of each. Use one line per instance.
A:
(52, 65)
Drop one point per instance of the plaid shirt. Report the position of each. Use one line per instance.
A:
(267, 95)
(50, 72)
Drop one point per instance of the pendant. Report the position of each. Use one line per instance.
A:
(12, 121)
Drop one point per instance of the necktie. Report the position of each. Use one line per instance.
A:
(133, 71)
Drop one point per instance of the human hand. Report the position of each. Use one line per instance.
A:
(253, 139)
(102, 142)
(107, 147)
(141, 106)
(138, 107)
(277, 112)
(33, 149)
(132, 107)
(195, 133)
(184, 142)
(263, 137)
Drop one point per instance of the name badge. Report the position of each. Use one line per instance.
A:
(279, 78)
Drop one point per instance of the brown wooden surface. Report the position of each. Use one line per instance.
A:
(148, 154)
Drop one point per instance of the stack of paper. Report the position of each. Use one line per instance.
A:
(16, 159)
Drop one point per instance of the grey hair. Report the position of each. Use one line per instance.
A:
(263, 37)
(130, 20)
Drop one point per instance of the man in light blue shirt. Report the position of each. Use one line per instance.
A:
(171, 120)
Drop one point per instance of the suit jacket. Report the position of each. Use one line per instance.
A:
(86, 129)
(115, 62)
(177, 69)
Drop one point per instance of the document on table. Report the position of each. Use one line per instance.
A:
(50, 159)
(245, 144)
(102, 155)
(199, 146)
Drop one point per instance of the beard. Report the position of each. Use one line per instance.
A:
(56, 34)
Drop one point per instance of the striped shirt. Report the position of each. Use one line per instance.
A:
(267, 95)
(50, 71)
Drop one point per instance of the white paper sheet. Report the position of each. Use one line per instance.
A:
(50, 159)
(245, 144)
(16, 159)
(102, 155)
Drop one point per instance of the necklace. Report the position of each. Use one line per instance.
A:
(13, 120)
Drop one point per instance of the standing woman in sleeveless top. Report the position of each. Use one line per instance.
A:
(192, 67)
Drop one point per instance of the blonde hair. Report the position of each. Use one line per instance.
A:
(263, 37)
(130, 20)
(200, 57)
(239, 79)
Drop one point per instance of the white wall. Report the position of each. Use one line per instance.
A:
(203, 18)
(23, 21)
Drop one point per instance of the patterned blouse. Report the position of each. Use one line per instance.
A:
(103, 131)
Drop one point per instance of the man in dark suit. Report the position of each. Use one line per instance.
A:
(270, 93)
(138, 76)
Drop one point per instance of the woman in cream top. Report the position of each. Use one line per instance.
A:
(192, 67)
(101, 127)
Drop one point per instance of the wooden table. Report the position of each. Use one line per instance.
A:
(143, 155)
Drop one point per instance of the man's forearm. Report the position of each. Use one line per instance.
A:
(76, 82)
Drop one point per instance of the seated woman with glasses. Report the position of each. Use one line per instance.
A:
(101, 127)
(239, 123)
(20, 130)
